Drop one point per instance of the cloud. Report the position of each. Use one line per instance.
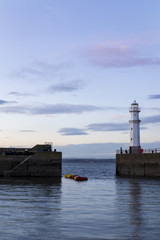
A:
(118, 56)
(98, 127)
(72, 131)
(15, 109)
(151, 119)
(108, 127)
(2, 102)
(20, 94)
(66, 87)
(39, 70)
(63, 108)
(155, 96)
(50, 109)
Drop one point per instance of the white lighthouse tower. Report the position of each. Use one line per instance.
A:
(134, 128)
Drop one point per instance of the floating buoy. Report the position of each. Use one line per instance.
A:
(68, 176)
(73, 176)
(78, 178)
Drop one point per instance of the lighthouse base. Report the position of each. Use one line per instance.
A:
(134, 149)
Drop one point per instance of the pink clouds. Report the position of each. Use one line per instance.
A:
(118, 56)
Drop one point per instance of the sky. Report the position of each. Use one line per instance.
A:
(70, 69)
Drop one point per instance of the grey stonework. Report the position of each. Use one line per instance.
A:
(143, 165)
(39, 161)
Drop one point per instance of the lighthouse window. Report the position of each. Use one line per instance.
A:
(131, 128)
(131, 139)
(134, 114)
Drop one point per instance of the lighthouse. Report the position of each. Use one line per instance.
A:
(134, 128)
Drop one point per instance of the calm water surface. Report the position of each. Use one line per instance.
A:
(104, 207)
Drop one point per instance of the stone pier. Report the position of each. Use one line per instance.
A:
(39, 161)
(142, 165)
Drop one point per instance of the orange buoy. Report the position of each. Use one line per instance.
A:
(78, 178)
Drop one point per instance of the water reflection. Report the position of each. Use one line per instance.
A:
(29, 206)
(29, 181)
(129, 205)
(135, 207)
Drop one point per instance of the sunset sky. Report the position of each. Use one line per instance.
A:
(69, 70)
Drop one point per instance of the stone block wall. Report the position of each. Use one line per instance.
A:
(41, 164)
(46, 164)
(144, 165)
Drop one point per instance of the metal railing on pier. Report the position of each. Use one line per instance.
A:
(156, 150)
(122, 151)
(142, 151)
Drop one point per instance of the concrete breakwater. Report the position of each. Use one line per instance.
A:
(39, 161)
(143, 165)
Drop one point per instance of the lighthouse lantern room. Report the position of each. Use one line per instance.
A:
(134, 128)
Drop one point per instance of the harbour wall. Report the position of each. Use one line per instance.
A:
(31, 164)
(142, 165)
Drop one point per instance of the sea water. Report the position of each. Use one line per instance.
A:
(104, 207)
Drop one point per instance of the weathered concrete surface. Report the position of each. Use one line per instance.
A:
(47, 167)
(39, 164)
(144, 165)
